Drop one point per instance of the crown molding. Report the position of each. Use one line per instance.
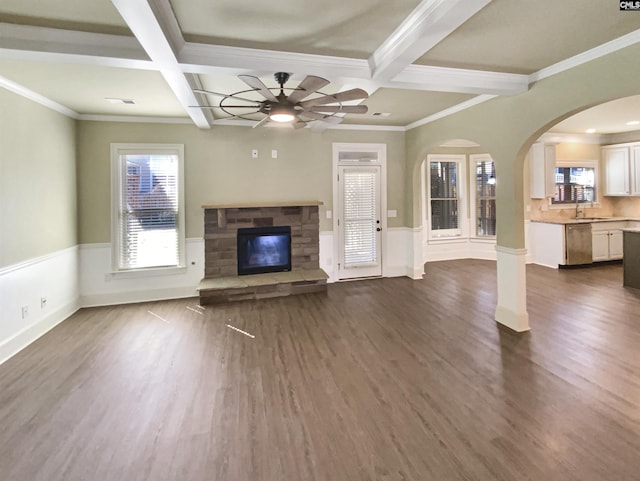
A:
(451, 110)
(584, 57)
(36, 97)
(134, 119)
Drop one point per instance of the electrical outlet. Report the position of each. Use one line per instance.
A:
(43, 302)
(25, 312)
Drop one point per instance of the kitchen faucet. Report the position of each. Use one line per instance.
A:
(578, 210)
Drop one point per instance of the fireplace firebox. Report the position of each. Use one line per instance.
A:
(264, 249)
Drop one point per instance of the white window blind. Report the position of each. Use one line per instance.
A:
(444, 196)
(359, 217)
(485, 212)
(148, 221)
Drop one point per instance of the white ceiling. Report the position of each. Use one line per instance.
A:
(419, 60)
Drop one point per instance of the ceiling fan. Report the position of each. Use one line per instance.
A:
(292, 108)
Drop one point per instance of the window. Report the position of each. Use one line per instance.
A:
(575, 185)
(484, 209)
(446, 188)
(148, 206)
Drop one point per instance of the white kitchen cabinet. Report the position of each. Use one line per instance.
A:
(621, 169)
(615, 244)
(600, 245)
(635, 169)
(606, 244)
(542, 164)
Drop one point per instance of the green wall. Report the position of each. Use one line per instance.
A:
(219, 168)
(37, 180)
(506, 127)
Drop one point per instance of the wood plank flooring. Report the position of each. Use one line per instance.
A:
(385, 380)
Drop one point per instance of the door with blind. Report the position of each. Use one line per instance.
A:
(359, 221)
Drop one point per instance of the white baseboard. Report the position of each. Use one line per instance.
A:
(131, 297)
(15, 344)
(23, 286)
(98, 287)
(397, 257)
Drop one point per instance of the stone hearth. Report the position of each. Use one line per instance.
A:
(221, 223)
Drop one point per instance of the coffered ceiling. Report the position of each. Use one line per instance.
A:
(418, 60)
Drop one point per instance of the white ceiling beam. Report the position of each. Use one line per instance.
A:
(442, 79)
(429, 23)
(150, 31)
(222, 60)
(217, 59)
(26, 42)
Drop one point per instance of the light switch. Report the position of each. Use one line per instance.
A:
(254, 154)
(274, 154)
(328, 214)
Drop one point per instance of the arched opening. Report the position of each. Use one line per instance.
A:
(591, 185)
(458, 217)
(509, 150)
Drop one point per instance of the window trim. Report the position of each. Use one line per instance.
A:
(474, 159)
(462, 231)
(592, 164)
(117, 169)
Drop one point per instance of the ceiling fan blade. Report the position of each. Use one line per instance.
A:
(308, 86)
(300, 124)
(345, 109)
(256, 84)
(353, 94)
(332, 119)
(225, 106)
(201, 91)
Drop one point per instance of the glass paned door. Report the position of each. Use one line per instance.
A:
(359, 221)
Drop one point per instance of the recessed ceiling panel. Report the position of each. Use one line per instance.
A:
(91, 15)
(404, 106)
(353, 28)
(83, 88)
(524, 37)
(609, 118)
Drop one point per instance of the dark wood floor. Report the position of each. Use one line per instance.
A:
(389, 380)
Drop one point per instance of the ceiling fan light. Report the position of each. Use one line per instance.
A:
(282, 114)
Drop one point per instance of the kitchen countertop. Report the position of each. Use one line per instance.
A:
(587, 220)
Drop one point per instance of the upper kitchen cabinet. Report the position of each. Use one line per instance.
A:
(621, 169)
(542, 162)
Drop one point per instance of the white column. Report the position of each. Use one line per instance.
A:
(512, 288)
(416, 271)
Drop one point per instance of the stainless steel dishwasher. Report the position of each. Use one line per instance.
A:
(578, 242)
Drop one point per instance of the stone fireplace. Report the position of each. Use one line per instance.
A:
(221, 223)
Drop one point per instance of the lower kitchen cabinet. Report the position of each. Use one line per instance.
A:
(606, 244)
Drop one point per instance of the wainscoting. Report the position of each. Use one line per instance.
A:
(99, 287)
(81, 277)
(54, 277)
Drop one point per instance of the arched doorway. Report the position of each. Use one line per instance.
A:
(507, 127)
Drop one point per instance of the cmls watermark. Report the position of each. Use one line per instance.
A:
(630, 5)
